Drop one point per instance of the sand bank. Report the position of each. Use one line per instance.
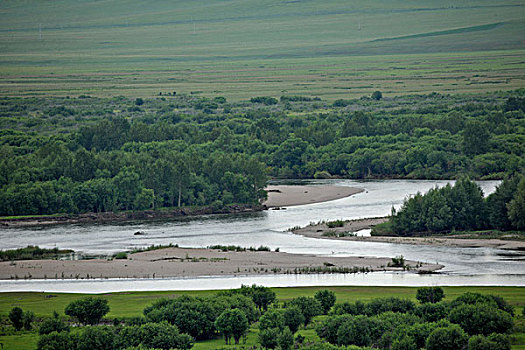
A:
(185, 262)
(288, 195)
(320, 231)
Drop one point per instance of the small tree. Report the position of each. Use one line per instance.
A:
(447, 338)
(16, 316)
(27, 319)
(293, 318)
(88, 310)
(285, 339)
(377, 95)
(326, 298)
(430, 294)
(268, 338)
(272, 319)
(232, 322)
(139, 101)
(310, 307)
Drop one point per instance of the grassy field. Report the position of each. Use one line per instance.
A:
(131, 304)
(239, 49)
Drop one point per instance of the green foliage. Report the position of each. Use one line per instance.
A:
(32, 253)
(492, 342)
(230, 323)
(326, 298)
(273, 318)
(96, 337)
(430, 294)
(481, 319)
(310, 307)
(447, 338)
(293, 318)
(121, 255)
(53, 325)
(27, 320)
(377, 95)
(516, 207)
(16, 316)
(285, 340)
(57, 341)
(335, 223)
(268, 338)
(153, 335)
(88, 310)
(458, 207)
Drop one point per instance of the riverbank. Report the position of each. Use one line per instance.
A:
(197, 262)
(109, 217)
(291, 195)
(321, 230)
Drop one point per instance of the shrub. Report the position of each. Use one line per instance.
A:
(16, 316)
(293, 318)
(326, 298)
(88, 310)
(447, 338)
(481, 319)
(430, 294)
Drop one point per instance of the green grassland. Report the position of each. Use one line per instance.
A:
(241, 49)
(130, 304)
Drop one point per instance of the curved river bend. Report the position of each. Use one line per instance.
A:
(463, 266)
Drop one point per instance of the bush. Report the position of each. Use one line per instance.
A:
(269, 338)
(293, 318)
(153, 335)
(285, 339)
(16, 316)
(481, 319)
(430, 294)
(53, 325)
(88, 310)
(377, 95)
(492, 342)
(57, 341)
(96, 337)
(326, 298)
(447, 338)
(310, 307)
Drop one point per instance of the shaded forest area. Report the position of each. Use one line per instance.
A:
(86, 154)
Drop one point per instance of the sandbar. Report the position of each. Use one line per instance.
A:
(289, 195)
(190, 262)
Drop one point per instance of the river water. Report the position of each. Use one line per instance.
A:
(463, 266)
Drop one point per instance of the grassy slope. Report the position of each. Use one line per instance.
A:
(245, 48)
(132, 304)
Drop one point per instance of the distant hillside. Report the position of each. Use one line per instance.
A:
(238, 48)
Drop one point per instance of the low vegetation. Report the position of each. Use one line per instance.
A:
(32, 253)
(253, 316)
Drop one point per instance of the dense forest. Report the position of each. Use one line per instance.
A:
(87, 154)
(461, 207)
(470, 321)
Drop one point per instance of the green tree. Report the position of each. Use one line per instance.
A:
(293, 318)
(28, 319)
(230, 323)
(16, 316)
(326, 298)
(310, 307)
(447, 338)
(377, 95)
(285, 339)
(57, 341)
(430, 294)
(481, 319)
(516, 207)
(96, 337)
(273, 318)
(88, 310)
(476, 138)
(268, 338)
(144, 200)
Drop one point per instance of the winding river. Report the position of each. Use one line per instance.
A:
(463, 266)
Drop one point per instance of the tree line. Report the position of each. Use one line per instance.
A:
(461, 207)
(74, 155)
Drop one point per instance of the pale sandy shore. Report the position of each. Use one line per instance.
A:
(185, 262)
(285, 195)
(320, 231)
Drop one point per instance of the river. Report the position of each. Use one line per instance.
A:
(463, 266)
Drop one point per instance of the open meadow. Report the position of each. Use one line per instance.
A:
(240, 49)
